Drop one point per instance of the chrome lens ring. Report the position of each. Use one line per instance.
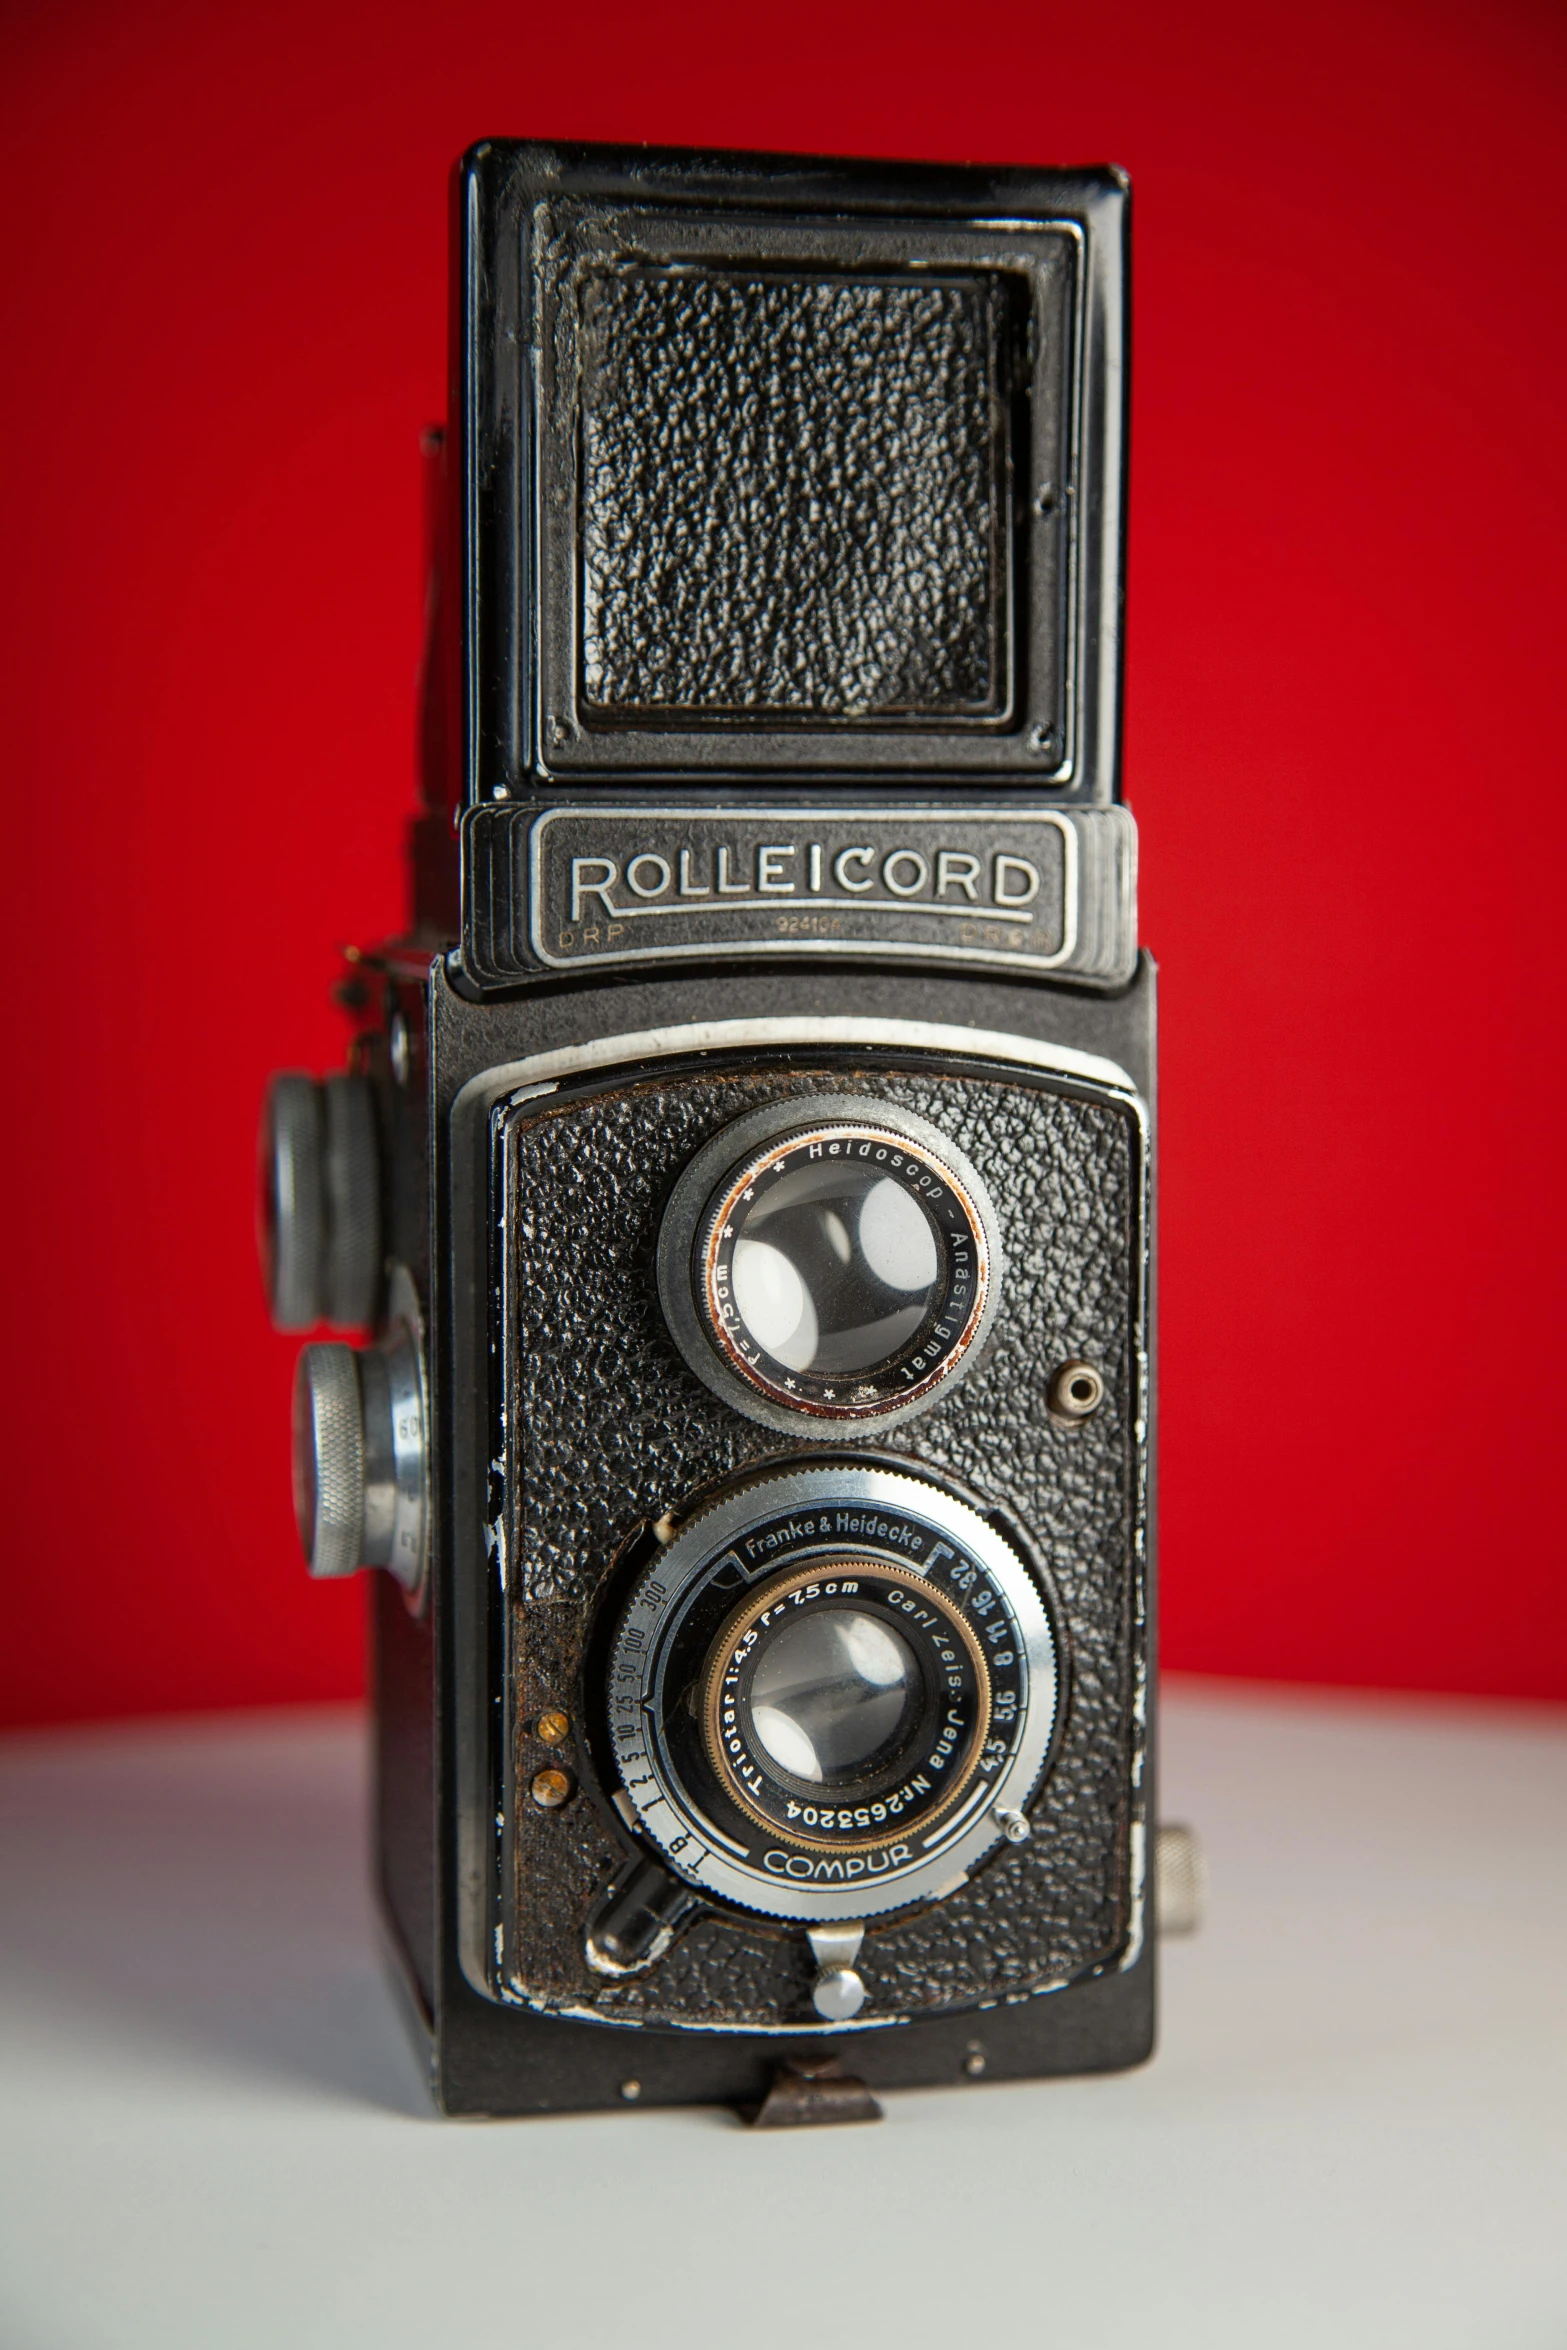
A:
(800, 1669)
(921, 1552)
(830, 1260)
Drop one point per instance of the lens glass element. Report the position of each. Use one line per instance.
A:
(837, 1269)
(831, 1694)
(842, 1703)
(844, 1270)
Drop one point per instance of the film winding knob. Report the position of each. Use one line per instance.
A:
(359, 1457)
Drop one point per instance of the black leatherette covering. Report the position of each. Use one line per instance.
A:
(613, 1428)
(790, 494)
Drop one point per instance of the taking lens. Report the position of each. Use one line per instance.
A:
(832, 1694)
(819, 1691)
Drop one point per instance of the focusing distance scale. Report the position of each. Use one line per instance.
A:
(828, 1690)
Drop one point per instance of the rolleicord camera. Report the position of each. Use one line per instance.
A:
(741, 1177)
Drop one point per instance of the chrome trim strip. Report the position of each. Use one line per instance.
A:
(828, 1028)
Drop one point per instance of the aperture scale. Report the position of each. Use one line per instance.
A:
(903, 1552)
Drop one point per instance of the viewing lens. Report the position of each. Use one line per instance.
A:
(836, 1269)
(817, 1264)
(832, 1693)
(845, 1270)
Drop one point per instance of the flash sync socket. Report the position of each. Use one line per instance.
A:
(829, 1259)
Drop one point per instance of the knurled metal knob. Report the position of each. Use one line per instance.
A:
(329, 1459)
(1180, 1881)
(319, 1201)
(359, 1455)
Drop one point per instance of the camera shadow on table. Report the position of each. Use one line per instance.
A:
(197, 1893)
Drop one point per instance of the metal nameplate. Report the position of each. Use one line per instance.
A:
(1047, 891)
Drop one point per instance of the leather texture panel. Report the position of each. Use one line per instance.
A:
(790, 495)
(613, 1428)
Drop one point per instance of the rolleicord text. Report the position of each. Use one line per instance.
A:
(954, 881)
(1025, 886)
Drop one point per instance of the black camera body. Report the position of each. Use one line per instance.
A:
(743, 1172)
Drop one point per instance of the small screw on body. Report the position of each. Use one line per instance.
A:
(550, 1789)
(631, 2091)
(552, 1728)
(974, 2062)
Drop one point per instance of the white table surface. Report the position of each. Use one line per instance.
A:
(213, 2133)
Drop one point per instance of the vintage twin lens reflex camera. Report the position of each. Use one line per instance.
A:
(741, 1177)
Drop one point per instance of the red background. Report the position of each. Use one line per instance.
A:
(224, 260)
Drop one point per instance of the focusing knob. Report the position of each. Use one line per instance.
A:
(351, 1169)
(291, 1203)
(359, 1456)
(319, 1219)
